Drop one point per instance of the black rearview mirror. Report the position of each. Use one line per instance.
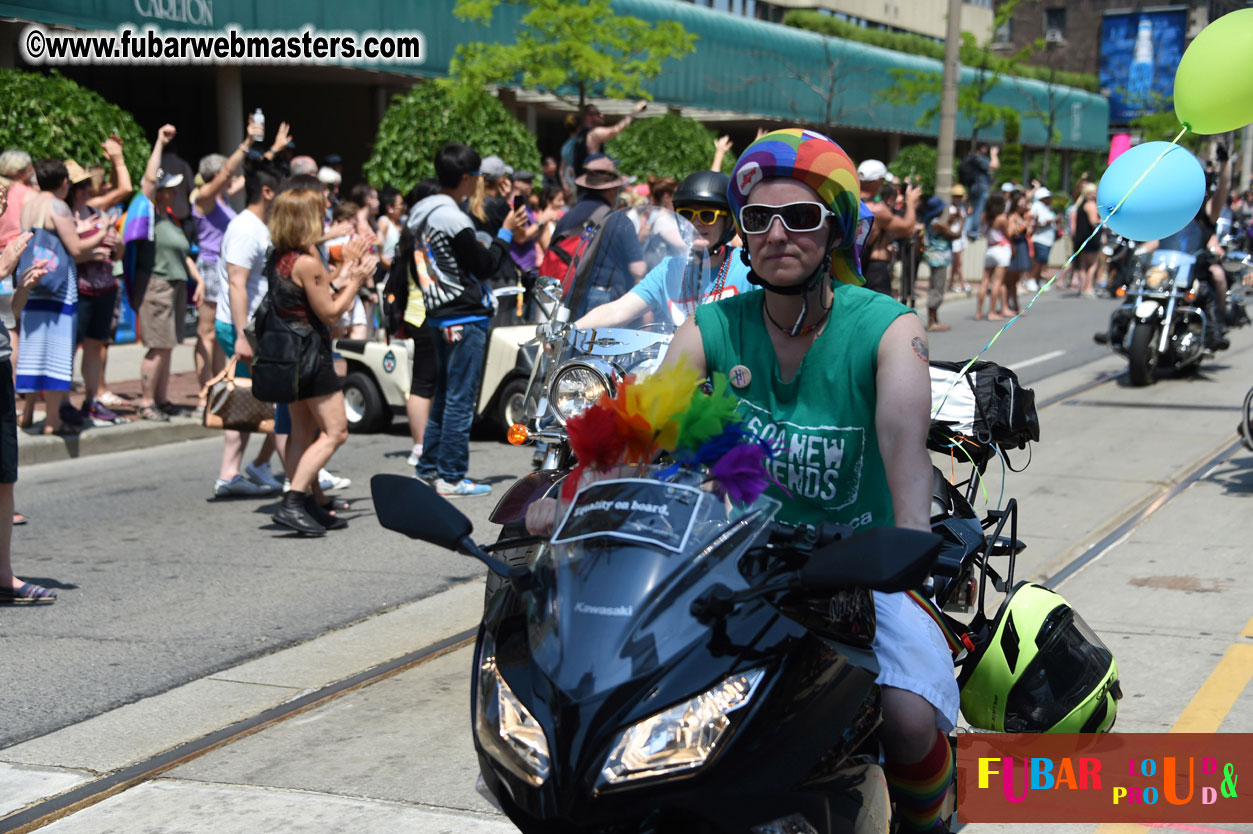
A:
(409, 506)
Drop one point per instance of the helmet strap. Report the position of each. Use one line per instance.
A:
(814, 281)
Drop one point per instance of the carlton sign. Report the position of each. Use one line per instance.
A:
(177, 11)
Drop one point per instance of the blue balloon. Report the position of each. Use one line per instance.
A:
(1163, 202)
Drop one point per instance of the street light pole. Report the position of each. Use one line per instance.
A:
(948, 102)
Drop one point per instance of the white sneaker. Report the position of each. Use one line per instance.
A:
(262, 475)
(238, 486)
(1030, 285)
(466, 487)
(414, 454)
(329, 481)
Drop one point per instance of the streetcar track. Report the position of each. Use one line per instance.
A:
(84, 796)
(1126, 528)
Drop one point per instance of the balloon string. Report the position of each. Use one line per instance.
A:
(1045, 286)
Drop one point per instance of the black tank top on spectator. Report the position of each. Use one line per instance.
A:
(292, 303)
(1083, 226)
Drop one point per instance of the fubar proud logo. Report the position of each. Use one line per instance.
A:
(1085, 778)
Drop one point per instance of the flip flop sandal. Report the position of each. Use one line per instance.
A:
(19, 519)
(28, 594)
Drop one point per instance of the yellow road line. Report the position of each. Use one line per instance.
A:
(1207, 709)
(1209, 706)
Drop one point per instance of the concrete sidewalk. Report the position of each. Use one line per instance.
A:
(122, 375)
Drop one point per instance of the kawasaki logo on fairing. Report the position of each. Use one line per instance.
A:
(605, 610)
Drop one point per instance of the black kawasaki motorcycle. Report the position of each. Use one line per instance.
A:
(669, 665)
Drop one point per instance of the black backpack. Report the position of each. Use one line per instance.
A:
(286, 359)
(987, 405)
(968, 171)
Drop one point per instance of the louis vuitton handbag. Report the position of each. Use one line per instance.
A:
(229, 404)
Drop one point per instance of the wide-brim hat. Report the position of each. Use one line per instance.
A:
(958, 190)
(600, 174)
(77, 172)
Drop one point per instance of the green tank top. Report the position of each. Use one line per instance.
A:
(821, 424)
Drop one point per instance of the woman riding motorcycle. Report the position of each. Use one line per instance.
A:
(849, 433)
(836, 378)
(711, 271)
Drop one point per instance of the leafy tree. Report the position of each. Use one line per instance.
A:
(917, 162)
(1163, 125)
(667, 146)
(428, 117)
(49, 116)
(919, 45)
(1011, 152)
(913, 87)
(569, 49)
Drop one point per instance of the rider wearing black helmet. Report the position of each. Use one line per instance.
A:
(711, 270)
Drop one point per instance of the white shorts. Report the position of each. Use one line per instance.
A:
(999, 255)
(913, 655)
(354, 315)
(959, 243)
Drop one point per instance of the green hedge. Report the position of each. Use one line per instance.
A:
(428, 117)
(666, 146)
(925, 47)
(51, 116)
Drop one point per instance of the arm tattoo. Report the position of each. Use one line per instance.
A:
(920, 348)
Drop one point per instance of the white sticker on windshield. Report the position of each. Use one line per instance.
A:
(632, 510)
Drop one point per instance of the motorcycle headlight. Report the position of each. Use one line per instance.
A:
(504, 726)
(679, 738)
(1158, 278)
(575, 390)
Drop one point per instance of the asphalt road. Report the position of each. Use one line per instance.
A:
(160, 585)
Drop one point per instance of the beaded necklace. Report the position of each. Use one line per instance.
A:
(692, 301)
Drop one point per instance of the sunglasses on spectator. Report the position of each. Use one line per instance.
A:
(755, 218)
(706, 216)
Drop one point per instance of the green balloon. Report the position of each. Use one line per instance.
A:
(1214, 82)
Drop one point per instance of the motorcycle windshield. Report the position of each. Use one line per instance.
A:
(664, 259)
(613, 591)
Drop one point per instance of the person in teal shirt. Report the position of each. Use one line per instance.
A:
(712, 270)
(836, 378)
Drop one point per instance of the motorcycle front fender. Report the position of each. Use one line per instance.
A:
(523, 493)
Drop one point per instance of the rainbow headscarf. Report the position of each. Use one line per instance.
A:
(822, 165)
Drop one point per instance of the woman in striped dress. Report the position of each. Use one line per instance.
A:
(46, 362)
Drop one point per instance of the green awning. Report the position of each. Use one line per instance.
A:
(740, 65)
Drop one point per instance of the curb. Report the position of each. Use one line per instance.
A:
(39, 448)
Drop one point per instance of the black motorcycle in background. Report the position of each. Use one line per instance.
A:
(1165, 322)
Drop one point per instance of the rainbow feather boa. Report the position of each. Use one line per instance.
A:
(671, 413)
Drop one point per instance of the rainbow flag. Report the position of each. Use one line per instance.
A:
(138, 233)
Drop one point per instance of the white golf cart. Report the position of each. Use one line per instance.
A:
(376, 386)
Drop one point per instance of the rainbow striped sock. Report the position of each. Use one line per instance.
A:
(919, 788)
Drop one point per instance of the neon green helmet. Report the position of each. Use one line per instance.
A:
(1043, 670)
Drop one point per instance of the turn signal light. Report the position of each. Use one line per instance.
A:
(1121, 292)
(1190, 297)
(517, 435)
